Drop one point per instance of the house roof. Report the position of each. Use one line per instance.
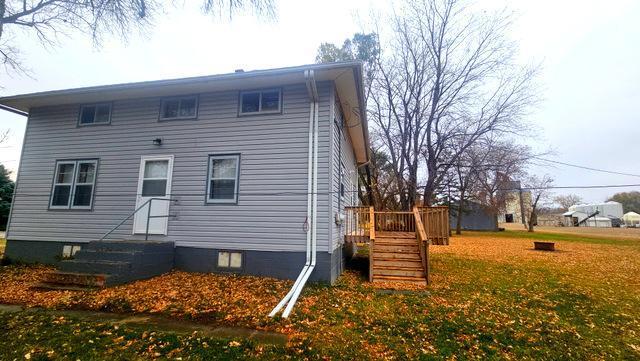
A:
(347, 77)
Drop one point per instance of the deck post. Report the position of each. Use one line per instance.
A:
(372, 240)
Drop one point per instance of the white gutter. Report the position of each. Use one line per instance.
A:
(312, 202)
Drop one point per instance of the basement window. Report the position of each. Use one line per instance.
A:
(91, 114)
(260, 101)
(69, 251)
(230, 260)
(179, 108)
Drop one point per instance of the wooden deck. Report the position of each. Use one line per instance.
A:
(398, 240)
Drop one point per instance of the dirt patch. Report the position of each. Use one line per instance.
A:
(163, 324)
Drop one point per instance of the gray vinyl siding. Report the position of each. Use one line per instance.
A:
(272, 199)
(342, 155)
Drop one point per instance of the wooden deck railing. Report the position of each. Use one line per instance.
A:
(357, 223)
(392, 221)
(436, 224)
(423, 243)
(358, 220)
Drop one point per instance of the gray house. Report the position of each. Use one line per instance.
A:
(247, 172)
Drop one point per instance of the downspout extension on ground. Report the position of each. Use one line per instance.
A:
(312, 199)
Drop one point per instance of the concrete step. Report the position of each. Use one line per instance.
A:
(106, 255)
(59, 278)
(95, 266)
(131, 245)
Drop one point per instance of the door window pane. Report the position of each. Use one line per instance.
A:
(154, 187)
(156, 169)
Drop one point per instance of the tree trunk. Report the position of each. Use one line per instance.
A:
(459, 220)
(532, 220)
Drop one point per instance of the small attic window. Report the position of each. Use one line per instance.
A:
(95, 114)
(260, 101)
(179, 108)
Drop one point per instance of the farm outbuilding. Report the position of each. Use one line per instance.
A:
(631, 219)
(594, 215)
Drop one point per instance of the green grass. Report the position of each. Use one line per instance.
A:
(44, 336)
(564, 237)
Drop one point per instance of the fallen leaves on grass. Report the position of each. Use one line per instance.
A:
(489, 298)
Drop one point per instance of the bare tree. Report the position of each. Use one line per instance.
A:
(48, 19)
(568, 200)
(449, 79)
(4, 135)
(540, 195)
(503, 162)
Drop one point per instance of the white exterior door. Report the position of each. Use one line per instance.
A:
(154, 182)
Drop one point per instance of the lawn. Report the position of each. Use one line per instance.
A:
(492, 297)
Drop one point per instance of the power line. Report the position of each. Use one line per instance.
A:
(294, 193)
(576, 187)
(587, 168)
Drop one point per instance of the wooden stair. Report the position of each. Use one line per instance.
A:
(396, 258)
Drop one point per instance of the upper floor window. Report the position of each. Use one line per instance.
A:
(95, 114)
(223, 178)
(261, 101)
(73, 184)
(179, 108)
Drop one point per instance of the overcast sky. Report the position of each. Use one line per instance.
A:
(590, 79)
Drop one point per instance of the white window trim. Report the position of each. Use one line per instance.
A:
(81, 124)
(179, 99)
(212, 157)
(260, 111)
(74, 183)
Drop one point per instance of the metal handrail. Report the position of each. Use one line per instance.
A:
(149, 216)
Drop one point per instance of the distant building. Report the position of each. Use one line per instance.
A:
(517, 203)
(475, 217)
(631, 219)
(607, 214)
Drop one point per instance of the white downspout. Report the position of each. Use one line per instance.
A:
(312, 184)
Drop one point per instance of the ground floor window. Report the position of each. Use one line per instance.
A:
(73, 184)
(222, 182)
